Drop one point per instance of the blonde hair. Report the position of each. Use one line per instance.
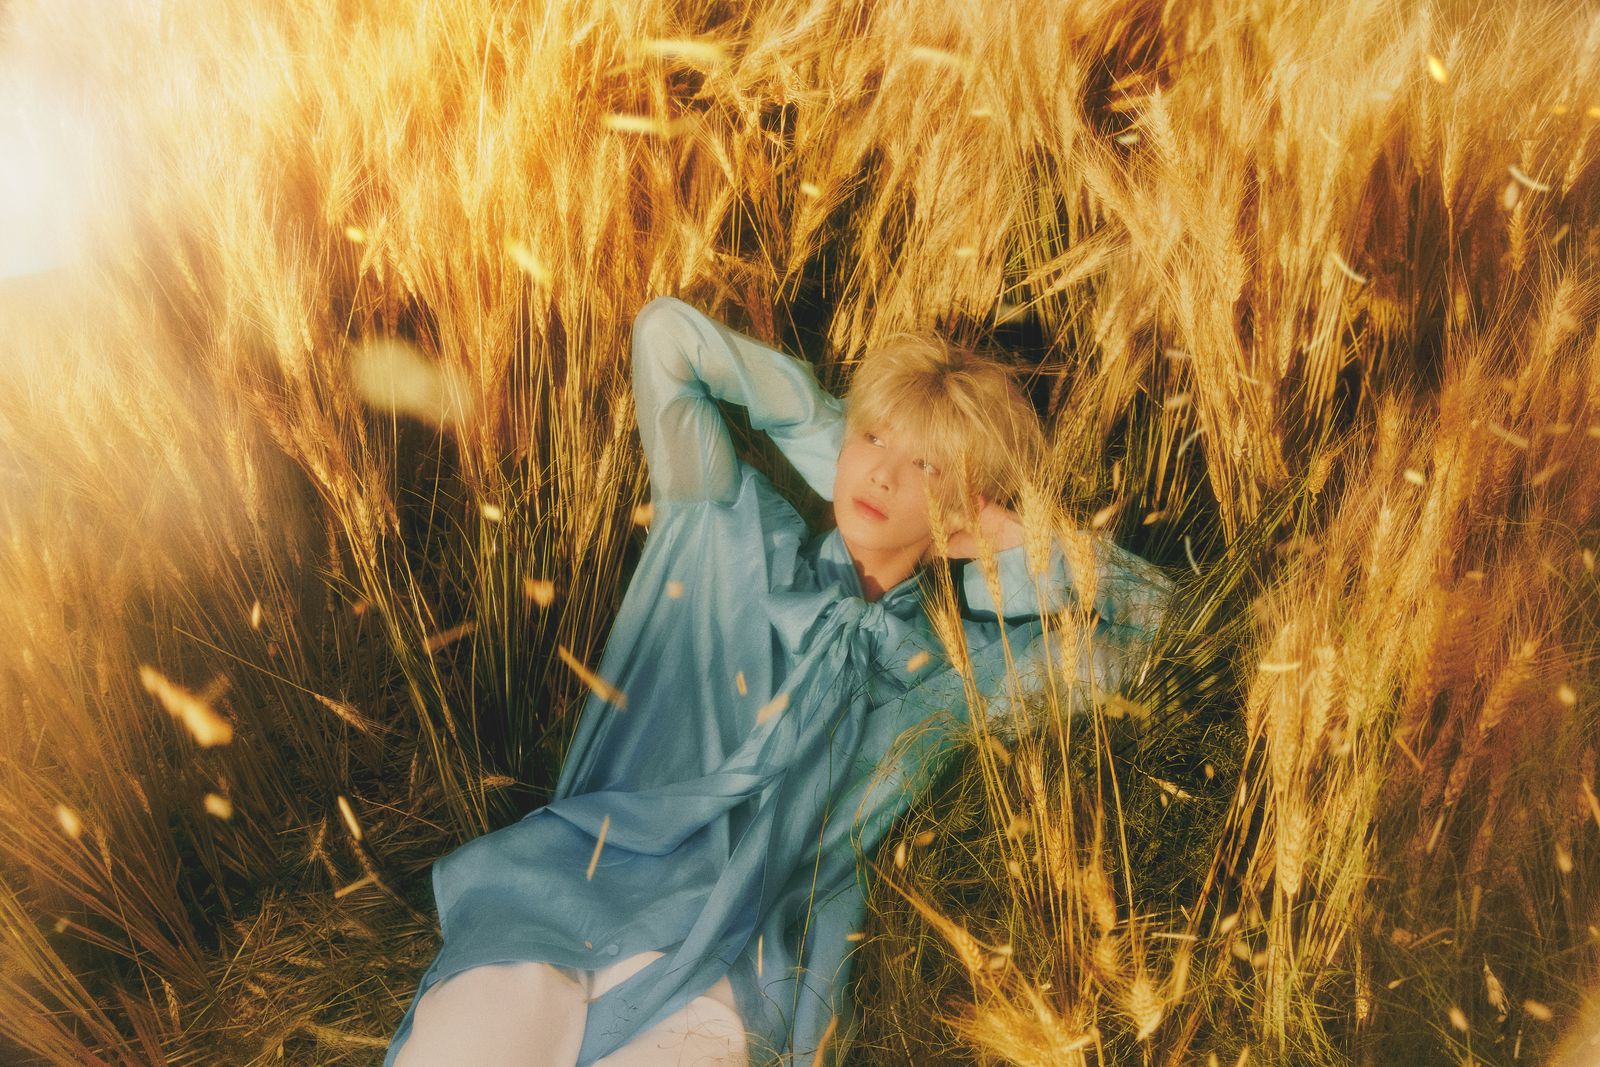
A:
(964, 406)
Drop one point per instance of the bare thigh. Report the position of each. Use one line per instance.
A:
(706, 1032)
(499, 1015)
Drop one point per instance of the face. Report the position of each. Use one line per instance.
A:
(880, 492)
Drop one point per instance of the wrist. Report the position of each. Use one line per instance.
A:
(1008, 530)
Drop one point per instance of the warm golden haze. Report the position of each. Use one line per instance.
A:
(319, 484)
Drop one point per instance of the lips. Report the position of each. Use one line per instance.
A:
(868, 510)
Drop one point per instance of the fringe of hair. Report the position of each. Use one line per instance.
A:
(964, 405)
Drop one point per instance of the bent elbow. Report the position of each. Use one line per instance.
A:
(657, 327)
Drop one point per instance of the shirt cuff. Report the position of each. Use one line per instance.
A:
(1022, 595)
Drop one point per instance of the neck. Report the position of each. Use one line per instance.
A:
(881, 572)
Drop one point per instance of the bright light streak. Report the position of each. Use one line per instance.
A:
(45, 166)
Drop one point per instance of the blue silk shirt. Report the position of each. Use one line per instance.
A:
(771, 728)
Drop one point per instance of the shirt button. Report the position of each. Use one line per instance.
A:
(612, 950)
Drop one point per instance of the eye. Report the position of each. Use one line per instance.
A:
(872, 438)
(927, 468)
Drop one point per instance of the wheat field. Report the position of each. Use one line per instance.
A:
(318, 474)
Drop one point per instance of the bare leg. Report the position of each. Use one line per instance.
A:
(499, 1015)
(706, 1032)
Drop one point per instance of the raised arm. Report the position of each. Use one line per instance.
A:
(683, 361)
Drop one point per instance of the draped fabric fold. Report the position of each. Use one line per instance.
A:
(713, 802)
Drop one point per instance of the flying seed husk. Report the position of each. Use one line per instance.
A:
(202, 721)
(1346, 269)
(940, 56)
(394, 376)
(540, 590)
(68, 819)
(625, 123)
(217, 805)
(346, 890)
(599, 843)
(1117, 706)
(1520, 175)
(597, 685)
(348, 814)
(772, 707)
(694, 49)
(529, 263)
(434, 642)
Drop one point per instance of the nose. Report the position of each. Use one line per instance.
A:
(878, 474)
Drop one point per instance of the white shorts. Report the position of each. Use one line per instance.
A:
(532, 1015)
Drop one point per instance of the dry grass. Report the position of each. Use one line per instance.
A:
(324, 446)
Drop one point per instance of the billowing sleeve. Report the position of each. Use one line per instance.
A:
(1126, 597)
(683, 362)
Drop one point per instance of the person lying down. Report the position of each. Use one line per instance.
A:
(689, 894)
